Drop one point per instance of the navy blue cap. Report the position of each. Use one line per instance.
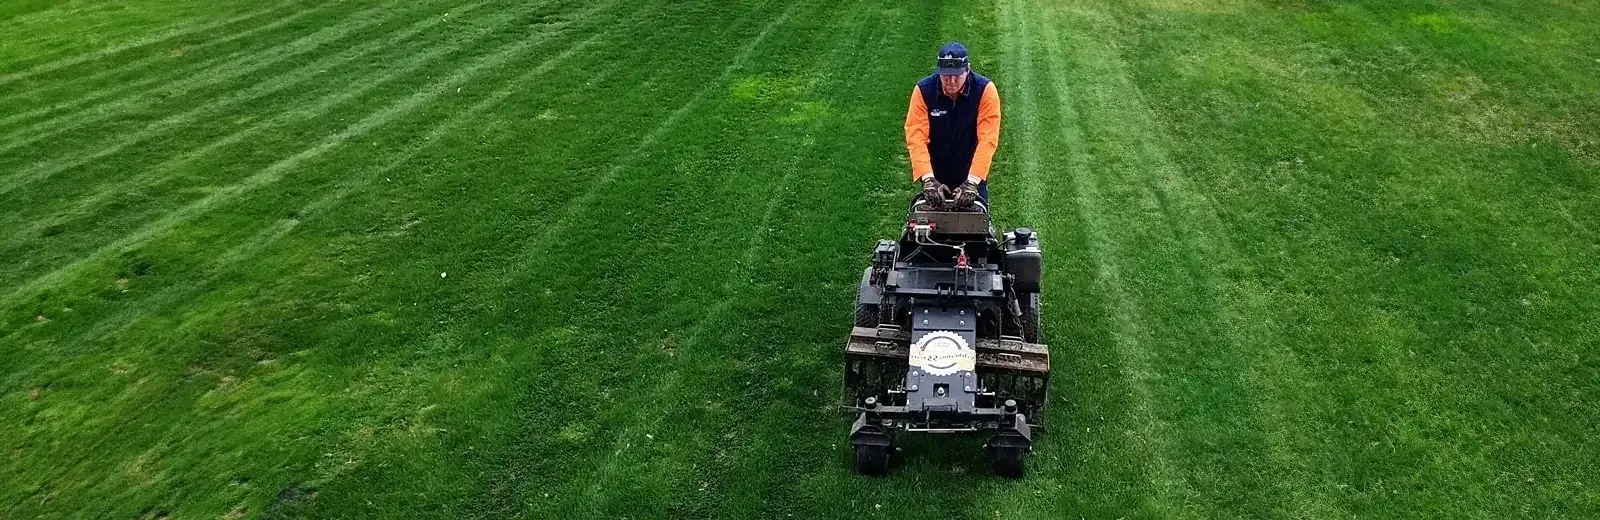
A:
(953, 59)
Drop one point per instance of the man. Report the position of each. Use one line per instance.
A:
(952, 130)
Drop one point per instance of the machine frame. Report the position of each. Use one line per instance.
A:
(946, 339)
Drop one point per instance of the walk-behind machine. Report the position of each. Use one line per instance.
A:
(946, 338)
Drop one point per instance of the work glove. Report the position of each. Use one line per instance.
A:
(966, 194)
(933, 192)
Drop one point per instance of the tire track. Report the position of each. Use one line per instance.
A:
(559, 227)
(274, 172)
(541, 243)
(1129, 334)
(434, 135)
(757, 246)
(279, 83)
(272, 233)
(130, 45)
(638, 423)
(207, 66)
(61, 10)
(266, 237)
(153, 175)
(218, 74)
(1238, 309)
(85, 99)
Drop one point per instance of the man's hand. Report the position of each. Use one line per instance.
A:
(967, 193)
(933, 192)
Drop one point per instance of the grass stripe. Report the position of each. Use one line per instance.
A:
(696, 355)
(260, 241)
(220, 74)
(454, 124)
(411, 63)
(69, 61)
(433, 91)
(755, 245)
(272, 173)
(349, 186)
(542, 244)
(541, 247)
(60, 10)
(222, 71)
(1233, 308)
(160, 177)
(1362, 337)
(81, 98)
(210, 65)
(1154, 435)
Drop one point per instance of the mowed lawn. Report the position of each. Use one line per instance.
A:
(559, 258)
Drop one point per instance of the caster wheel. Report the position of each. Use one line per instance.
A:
(1007, 462)
(872, 460)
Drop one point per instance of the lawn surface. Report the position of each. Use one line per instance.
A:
(559, 258)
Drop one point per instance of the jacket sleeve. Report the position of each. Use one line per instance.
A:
(988, 132)
(917, 136)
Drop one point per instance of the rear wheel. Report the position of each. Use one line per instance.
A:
(872, 460)
(1031, 327)
(866, 315)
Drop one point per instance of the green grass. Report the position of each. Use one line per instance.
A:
(558, 259)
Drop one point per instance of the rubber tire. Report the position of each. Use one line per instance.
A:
(1007, 462)
(872, 460)
(1032, 329)
(867, 315)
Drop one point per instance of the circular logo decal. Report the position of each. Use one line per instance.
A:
(943, 353)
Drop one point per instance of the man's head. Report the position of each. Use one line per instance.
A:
(953, 68)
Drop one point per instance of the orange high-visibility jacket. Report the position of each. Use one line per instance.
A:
(953, 137)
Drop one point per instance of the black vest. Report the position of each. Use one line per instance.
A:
(952, 126)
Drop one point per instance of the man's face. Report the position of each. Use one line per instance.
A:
(952, 84)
